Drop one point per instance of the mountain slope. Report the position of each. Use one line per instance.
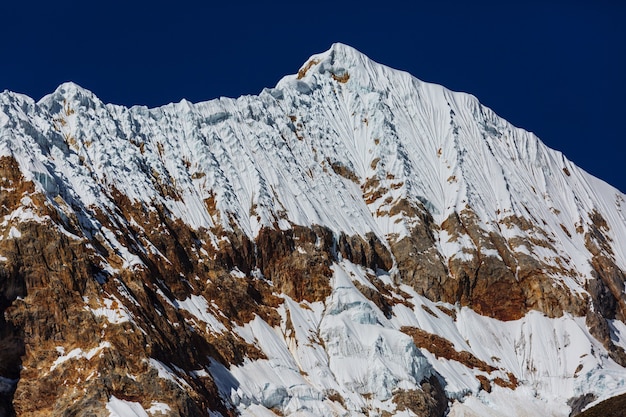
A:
(351, 242)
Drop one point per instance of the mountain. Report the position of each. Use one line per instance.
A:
(352, 242)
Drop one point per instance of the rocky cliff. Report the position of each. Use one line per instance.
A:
(351, 242)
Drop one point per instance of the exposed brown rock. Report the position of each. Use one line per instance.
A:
(420, 264)
(344, 171)
(485, 384)
(443, 348)
(509, 285)
(377, 298)
(606, 289)
(57, 273)
(613, 407)
(383, 295)
(429, 401)
(333, 395)
(302, 72)
(448, 312)
(372, 190)
(342, 78)
(369, 252)
(512, 382)
(12, 184)
(428, 310)
(294, 261)
(53, 274)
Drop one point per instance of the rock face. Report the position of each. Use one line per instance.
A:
(351, 242)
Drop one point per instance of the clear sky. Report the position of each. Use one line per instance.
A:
(553, 67)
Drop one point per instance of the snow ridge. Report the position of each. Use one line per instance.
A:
(307, 152)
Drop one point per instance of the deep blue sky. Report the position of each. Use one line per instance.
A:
(554, 67)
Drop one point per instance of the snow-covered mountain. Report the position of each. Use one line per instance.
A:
(352, 242)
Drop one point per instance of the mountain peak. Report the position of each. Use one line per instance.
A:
(342, 53)
(355, 242)
(344, 64)
(338, 57)
(71, 89)
(69, 92)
